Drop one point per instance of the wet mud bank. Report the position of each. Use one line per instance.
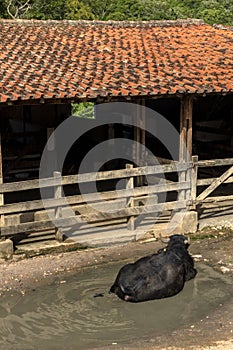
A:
(213, 248)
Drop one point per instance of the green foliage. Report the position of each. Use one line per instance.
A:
(43, 9)
(76, 9)
(3, 13)
(126, 10)
(99, 8)
(83, 110)
(211, 11)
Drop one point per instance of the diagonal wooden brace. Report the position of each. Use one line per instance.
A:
(215, 184)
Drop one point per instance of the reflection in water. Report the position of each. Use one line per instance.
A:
(67, 316)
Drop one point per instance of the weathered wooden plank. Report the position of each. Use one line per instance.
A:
(58, 195)
(91, 197)
(130, 202)
(218, 199)
(137, 210)
(215, 184)
(194, 172)
(27, 227)
(80, 178)
(185, 151)
(213, 207)
(82, 219)
(82, 209)
(58, 209)
(206, 182)
(125, 173)
(215, 162)
(183, 130)
(189, 122)
(2, 219)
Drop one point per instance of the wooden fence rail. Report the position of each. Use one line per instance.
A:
(214, 162)
(58, 203)
(94, 217)
(90, 177)
(124, 202)
(90, 198)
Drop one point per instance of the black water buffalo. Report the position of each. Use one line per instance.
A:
(158, 275)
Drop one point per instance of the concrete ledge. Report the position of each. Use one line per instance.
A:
(6, 249)
(180, 223)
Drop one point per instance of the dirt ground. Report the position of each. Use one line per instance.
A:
(213, 247)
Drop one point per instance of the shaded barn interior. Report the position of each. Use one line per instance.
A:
(213, 126)
(25, 131)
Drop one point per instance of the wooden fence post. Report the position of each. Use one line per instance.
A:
(185, 150)
(2, 219)
(130, 202)
(58, 210)
(194, 172)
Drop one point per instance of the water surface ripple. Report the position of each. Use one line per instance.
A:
(65, 315)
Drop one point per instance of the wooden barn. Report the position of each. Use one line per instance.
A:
(180, 71)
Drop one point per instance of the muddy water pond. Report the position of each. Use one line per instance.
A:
(66, 315)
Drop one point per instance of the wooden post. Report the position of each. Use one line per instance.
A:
(130, 202)
(194, 172)
(143, 154)
(51, 154)
(137, 136)
(2, 219)
(140, 138)
(58, 210)
(143, 131)
(185, 151)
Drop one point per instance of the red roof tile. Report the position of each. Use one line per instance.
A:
(78, 59)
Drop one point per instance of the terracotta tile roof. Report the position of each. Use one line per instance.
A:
(82, 59)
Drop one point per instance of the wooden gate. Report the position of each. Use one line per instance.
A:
(203, 188)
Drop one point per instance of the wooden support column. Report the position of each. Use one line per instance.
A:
(143, 132)
(139, 154)
(58, 210)
(136, 137)
(185, 151)
(51, 151)
(2, 219)
(130, 202)
(194, 172)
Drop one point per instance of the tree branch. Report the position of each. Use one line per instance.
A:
(24, 5)
(8, 9)
(18, 8)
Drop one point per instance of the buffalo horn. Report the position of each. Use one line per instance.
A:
(163, 240)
